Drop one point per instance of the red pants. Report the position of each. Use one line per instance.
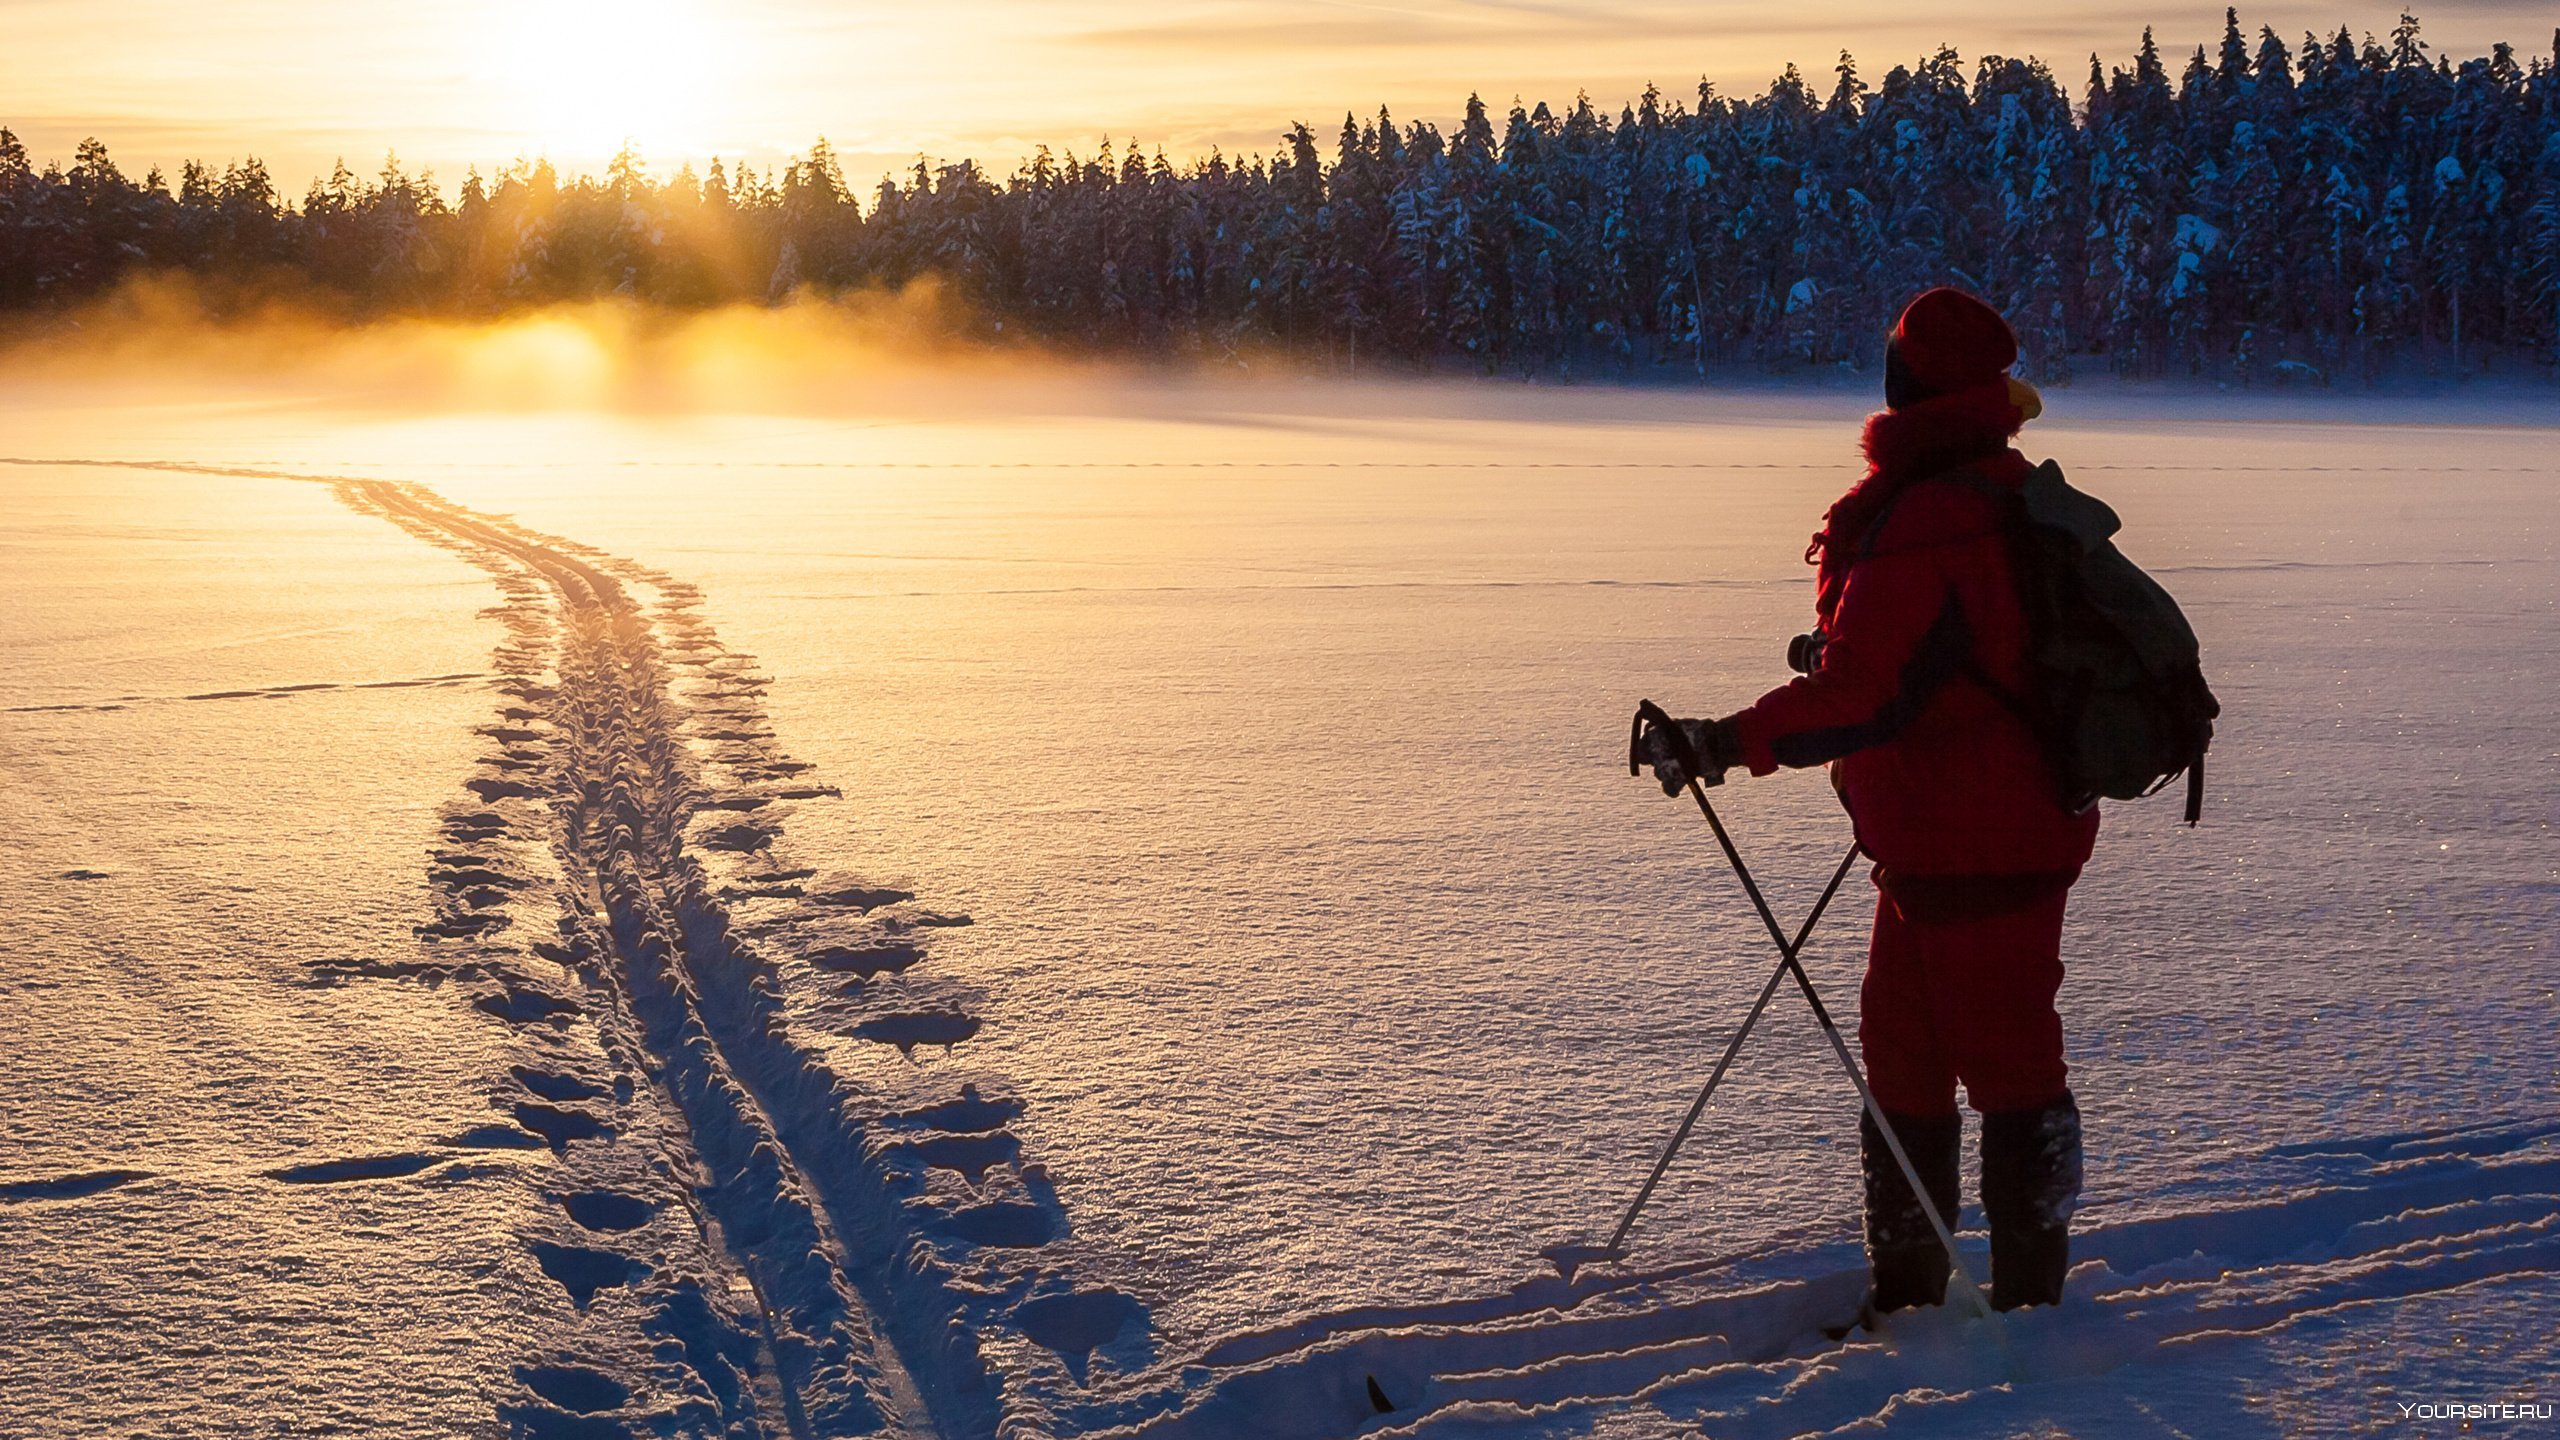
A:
(1966, 1000)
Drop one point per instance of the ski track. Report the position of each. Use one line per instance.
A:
(800, 1253)
(872, 1249)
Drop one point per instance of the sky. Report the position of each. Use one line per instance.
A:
(453, 83)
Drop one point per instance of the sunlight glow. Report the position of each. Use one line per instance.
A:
(301, 84)
(582, 77)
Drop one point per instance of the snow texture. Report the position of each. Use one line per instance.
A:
(1206, 950)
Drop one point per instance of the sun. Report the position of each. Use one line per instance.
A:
(583, 77)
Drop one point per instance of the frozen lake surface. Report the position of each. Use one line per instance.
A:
(1125, 909)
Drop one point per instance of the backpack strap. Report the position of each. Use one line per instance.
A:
(2009, 508)
(2004, 502)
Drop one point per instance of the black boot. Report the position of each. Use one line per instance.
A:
(2030, 1186)
(1908, 1264)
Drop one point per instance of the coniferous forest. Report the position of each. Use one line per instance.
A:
(2342, 210)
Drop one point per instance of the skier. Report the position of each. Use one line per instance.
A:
(1920, 634)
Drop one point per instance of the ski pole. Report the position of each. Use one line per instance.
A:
(1651, 714)
(1733, 1047)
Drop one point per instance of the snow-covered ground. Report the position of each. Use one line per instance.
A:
(1122, 909)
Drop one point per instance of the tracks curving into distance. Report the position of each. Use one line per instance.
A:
(769, 1215)
(684, 1006)
(878, 1247)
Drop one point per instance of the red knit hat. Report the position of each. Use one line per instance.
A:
(1948, 341)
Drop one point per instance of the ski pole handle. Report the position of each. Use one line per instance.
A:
(1650, 716)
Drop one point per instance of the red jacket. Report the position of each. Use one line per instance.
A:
(1916, 603)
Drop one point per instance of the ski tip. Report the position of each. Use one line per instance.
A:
(1378, 1397)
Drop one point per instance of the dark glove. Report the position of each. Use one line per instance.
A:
(1717, 743)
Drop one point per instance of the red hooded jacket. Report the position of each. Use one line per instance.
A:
(1916, 603)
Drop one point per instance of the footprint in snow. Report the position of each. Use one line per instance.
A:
(582, 1271)
(971, 1112)
(479, 825)
(431, 973)
(461, 927)
(361, 1167)
(932, 1027)
(575, 1387)
(551, 1086)
(523, 1007)
(861, 897)
(865, 961)
(543, 1422)
(608, 1210)
(1000, 1226)
(971, 1156)
(1077, 1324)
(559, 1126)
(740, 838)
(475, 876)
(495, 1137)
(738, 804)
(68, 1187)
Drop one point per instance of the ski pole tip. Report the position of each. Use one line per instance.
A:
(1569, 1258)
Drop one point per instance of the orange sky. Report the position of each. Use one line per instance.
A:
(300, 82)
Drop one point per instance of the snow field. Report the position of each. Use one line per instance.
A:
(1115, 1014)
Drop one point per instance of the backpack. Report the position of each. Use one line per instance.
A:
(2116, 694)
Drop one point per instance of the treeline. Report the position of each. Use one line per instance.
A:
(2340, 209)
